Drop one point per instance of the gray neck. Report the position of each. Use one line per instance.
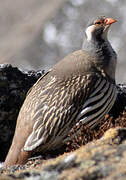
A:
(101, 48)
(104, 53)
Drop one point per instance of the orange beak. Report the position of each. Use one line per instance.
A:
(109, 21)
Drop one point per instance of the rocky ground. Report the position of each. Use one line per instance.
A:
(91, 154)
(100, 159)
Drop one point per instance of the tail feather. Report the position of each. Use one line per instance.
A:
(17, 157)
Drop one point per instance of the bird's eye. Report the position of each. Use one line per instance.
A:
(98, 22)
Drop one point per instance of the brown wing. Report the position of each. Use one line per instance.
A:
(38, 81)
(51, 109)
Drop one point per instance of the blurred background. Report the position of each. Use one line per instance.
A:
(35, 34)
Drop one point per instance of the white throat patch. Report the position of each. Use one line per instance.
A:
(89, 32)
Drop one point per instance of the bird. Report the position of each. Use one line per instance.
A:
(79, 88)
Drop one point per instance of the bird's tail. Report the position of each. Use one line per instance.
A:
(16, 156)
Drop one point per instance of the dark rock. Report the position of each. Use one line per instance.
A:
(24, 175)
(120, 104)
(14, 84)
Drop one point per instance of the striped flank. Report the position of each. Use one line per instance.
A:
(98, 104)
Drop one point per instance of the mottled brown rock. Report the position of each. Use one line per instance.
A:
(100, 159)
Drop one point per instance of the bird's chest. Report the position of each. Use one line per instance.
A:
(106, 62)
(111, 67)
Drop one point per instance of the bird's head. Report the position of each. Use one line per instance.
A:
(98, 28)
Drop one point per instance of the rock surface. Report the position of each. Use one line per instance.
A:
(14, 85)
(101, 159)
